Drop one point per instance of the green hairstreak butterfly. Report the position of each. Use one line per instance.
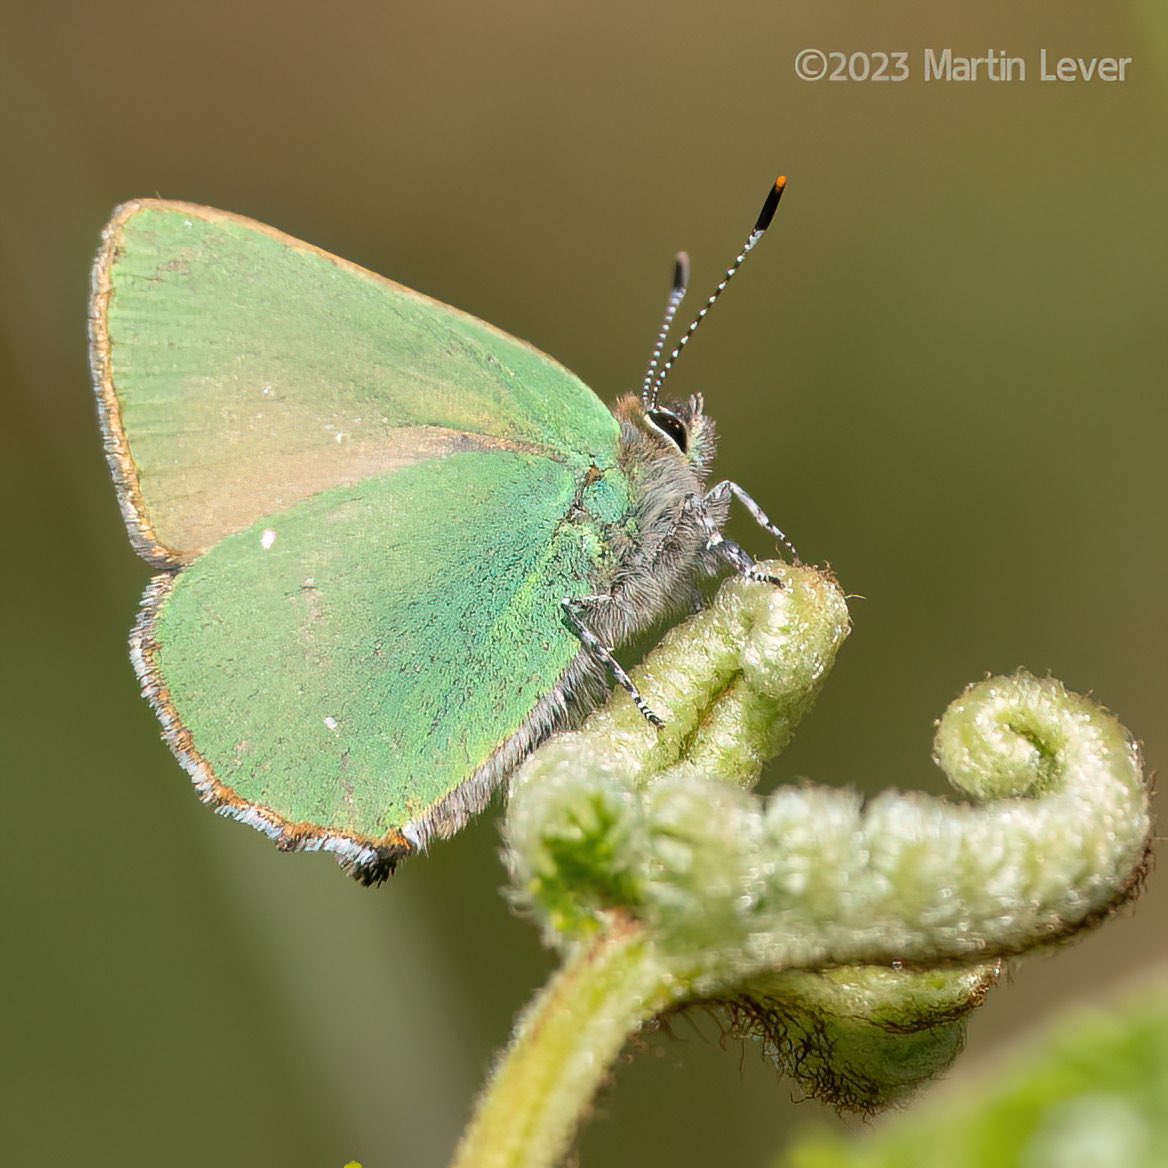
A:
(395, 545)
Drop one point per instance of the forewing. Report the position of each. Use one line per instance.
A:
(240, 371)
(335, 673)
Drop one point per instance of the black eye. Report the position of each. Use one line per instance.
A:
(670, 424)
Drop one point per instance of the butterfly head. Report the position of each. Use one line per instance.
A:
(675, 433)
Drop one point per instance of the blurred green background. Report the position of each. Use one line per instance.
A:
(943, 372)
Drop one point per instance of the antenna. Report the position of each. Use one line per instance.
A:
(651, 394)
(676, 296)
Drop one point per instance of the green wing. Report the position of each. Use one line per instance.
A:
(353, 672)
(378, 503)
(240, 371)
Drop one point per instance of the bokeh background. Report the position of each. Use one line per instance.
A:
(944, 372)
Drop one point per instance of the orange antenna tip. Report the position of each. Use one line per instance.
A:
(771, 205)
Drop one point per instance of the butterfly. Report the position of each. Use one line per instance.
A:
(395, 547)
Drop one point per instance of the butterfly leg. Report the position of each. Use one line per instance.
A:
(738, 558)
(721, 492)
(575, 612)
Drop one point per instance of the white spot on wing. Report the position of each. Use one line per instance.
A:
(330, 722)
(268, 538)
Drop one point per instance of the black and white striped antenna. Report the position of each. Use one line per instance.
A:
(651, 390)
(676, 296)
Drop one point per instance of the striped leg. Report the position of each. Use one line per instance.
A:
(575, 612)
(722, 491)
(732, 553)
(739, 559)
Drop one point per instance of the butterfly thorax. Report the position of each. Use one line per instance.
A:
(661, 549)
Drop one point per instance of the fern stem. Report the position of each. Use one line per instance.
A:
(563, 1048)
